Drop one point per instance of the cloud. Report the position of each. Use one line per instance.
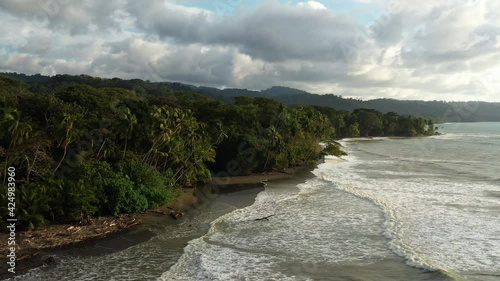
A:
(264, 33)
(424, 49)
(77, 17)
(312, 5)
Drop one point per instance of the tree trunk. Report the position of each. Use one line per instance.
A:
(99, 152)
(125, 148)
(64, 156)
(32, 167)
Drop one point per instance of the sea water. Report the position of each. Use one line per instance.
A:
(394, 209)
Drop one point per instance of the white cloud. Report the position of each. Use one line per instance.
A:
(315, 5)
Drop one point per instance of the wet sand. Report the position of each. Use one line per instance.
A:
(259, 178)
(168, 234)
(111, 234)
(151, 224)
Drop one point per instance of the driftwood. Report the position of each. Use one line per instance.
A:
(33, 243)
(176, 215)
(171, 212)
(264, 218)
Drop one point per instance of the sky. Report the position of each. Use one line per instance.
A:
(402, 49)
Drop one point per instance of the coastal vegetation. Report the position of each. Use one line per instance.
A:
(85, 147)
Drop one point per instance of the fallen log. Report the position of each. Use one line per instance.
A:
(264, 218)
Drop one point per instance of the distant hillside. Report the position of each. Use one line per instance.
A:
(437, 110)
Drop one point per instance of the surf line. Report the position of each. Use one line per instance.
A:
(391, 227)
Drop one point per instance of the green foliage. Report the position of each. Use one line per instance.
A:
(122, 197)
(353, 130)
(80, 200)
(33, 205)
(370, 122)
(152, 184)
(15, 130)
(119, 192)
(85, 146)
(333, 148)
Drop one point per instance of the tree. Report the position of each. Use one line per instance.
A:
(68, 134)
(353, 130)
(128, 123)
(369, 121)
(121, 166)
(17, 130)
(14, 131)
(390, 121)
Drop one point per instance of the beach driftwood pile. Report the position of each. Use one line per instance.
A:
(32, 243)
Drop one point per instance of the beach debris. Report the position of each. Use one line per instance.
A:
(264, 218)
(176, 215)
(171, 212)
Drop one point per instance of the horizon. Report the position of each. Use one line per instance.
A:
(360, 49)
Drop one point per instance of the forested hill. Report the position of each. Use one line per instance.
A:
(439, 111)
(84, 146)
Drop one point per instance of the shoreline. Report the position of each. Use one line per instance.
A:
(258, 178)
(36, 247)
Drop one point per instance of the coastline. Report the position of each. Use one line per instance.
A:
(258, 178)
(34, 246)
(37, 247)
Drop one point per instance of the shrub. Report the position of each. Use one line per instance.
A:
(33, 205)
(80, 200)
(151, 184)
(122, 197)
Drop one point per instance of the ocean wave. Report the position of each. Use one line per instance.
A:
(302, 228)
(409, 233)
(358, 221)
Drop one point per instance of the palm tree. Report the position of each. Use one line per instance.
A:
(18, 130)
(129, 121)
(69, 134)
(158, 131)
(275, 142)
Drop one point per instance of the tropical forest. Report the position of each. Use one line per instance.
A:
(85, 146)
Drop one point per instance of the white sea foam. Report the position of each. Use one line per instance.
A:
(310, 225)
(425, 219)
(391, 224)
(355, 211)
(364, 139)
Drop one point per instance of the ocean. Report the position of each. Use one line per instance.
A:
(394, 209)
